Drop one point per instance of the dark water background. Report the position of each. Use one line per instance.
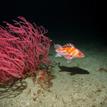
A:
(72, 21)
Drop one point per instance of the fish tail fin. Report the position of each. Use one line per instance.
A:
(57, 46)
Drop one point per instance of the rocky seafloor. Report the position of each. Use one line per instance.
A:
(79, 90)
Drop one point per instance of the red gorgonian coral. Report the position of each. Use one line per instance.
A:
(23, 47)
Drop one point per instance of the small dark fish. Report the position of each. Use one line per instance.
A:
(73, 70)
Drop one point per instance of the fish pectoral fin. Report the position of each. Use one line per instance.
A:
(58, 55)
(68, 57)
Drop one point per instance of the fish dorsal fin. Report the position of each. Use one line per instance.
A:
(56, 46)
(68, 45)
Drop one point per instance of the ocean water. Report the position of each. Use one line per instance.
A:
(79, 90)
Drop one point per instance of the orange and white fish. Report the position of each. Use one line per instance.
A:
(68, 51)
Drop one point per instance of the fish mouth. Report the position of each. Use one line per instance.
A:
(81, 55)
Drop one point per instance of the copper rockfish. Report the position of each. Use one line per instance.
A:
(68, 51)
